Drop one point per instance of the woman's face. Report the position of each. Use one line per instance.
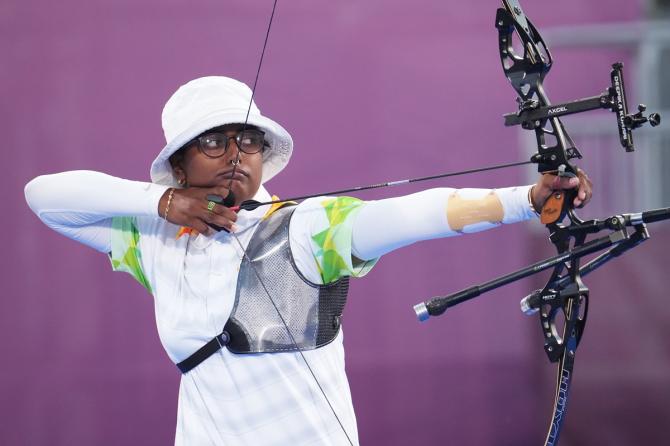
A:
(196, 169)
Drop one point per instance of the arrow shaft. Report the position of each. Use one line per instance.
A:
(254, 205)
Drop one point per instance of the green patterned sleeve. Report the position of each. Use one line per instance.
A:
(333, 253)
(126, 255)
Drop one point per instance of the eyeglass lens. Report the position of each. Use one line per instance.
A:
(215, 144)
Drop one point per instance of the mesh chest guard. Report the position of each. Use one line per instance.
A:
(311, 311)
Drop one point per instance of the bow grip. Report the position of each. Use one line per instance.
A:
(557, 206)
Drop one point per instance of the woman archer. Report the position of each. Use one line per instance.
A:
(248, 300)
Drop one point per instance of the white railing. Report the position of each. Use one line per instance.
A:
(625, 181)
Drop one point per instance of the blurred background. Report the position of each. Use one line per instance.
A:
(371, 91)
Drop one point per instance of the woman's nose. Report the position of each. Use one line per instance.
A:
(233, 152)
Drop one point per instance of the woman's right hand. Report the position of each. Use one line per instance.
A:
(189, 207)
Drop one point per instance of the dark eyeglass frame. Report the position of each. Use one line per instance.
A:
(237, 138)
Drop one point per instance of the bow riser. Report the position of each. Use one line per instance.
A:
(526, 73)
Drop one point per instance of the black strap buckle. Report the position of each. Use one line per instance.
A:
(214, 345)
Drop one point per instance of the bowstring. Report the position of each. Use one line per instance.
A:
(288, 330)
(253, 91)
(244, 252)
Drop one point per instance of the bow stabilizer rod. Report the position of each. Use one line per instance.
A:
(438, 305)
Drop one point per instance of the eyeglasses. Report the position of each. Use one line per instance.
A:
(214, 145)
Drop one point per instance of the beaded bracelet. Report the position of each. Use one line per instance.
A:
(167, 206)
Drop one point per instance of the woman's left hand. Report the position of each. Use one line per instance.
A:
(548, 183)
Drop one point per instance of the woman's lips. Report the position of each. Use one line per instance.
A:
(237, 175)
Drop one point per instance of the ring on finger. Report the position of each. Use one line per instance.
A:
(210, 206)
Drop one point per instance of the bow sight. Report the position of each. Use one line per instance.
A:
(565, 291)
(531, 115)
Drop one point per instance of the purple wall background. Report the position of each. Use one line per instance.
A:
(374, 90)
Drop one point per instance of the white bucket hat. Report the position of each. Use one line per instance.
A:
(210, 102)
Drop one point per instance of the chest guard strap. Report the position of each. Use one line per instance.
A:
(311, 311)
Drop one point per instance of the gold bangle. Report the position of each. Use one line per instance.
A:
(530, 200)
(167, 206)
